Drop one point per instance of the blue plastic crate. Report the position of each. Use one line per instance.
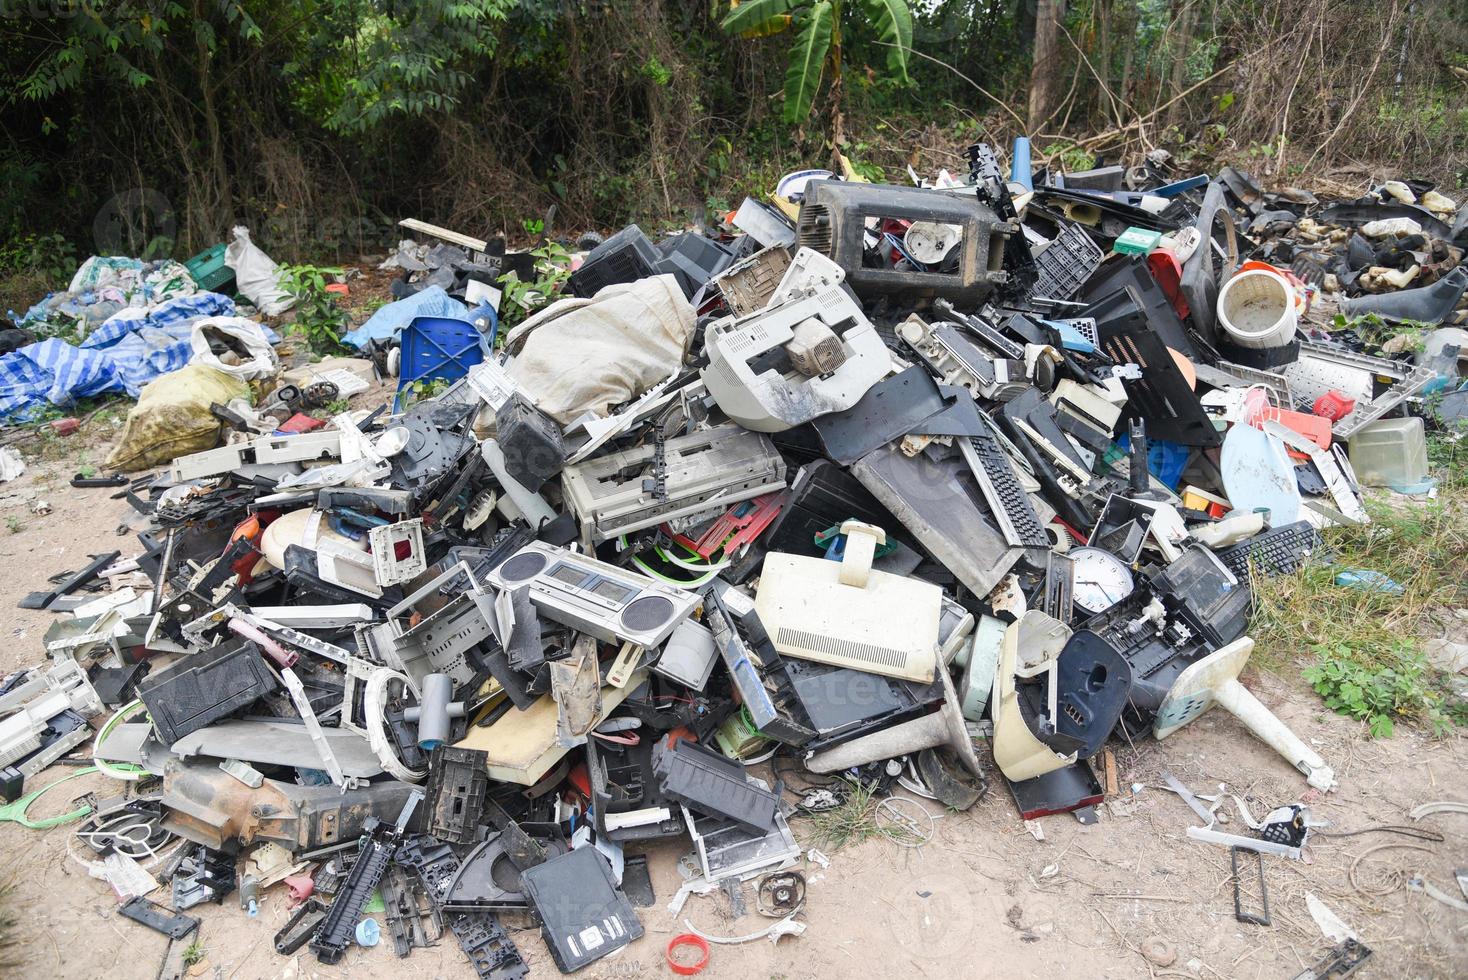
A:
(439, 347)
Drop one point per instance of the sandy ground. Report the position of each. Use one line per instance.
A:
(984, 897)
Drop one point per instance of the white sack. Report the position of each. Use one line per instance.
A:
(256, 275)
(579, 356)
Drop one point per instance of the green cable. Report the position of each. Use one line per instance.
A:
(651, 573)
(695, 583)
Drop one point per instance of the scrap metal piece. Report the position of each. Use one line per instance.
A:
(1442, 806)
(726, 850)
(210, 807)
(780, 894)
(1343, 960)
(1211, 836)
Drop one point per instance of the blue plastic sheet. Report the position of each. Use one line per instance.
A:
(388, 320)
(123, 354)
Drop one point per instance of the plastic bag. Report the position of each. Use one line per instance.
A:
(393, 317)
(172, 418)
(255, 358)
(256, 275)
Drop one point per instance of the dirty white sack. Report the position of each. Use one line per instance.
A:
(256, 275)
(579, 355)
(255, 358)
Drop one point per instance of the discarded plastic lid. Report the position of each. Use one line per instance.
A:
(392, 442)
(792, 185)
(368, 932)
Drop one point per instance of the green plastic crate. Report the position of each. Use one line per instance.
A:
(209, 270)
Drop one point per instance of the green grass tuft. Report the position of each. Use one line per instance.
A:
(1361, 650)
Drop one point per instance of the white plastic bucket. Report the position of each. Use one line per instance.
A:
(1257, 309)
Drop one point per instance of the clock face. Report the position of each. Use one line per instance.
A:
(1101, 579)
(929, 241)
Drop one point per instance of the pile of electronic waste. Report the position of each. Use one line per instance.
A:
(932, 475)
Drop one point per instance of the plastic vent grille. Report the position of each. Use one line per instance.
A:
(846, 649)
(815, 227)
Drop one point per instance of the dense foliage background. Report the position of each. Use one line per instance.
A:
(149, 126)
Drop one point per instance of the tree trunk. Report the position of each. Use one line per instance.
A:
(1045, 68)
(1103, 60)
(838, 118)
(1185, 16)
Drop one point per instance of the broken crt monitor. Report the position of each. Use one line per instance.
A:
(755, 363)
(846, 614)
(642, 487)
(596, 598)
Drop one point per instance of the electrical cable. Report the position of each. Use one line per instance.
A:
(1387, 828)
